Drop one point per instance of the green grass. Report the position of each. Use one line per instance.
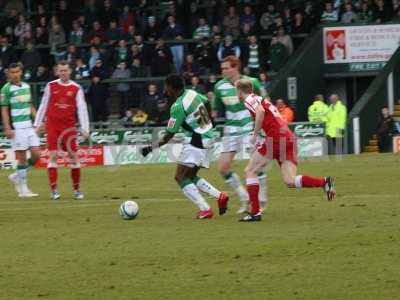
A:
(305, 247)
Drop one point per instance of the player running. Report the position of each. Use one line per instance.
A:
(62, 100)
(191, 111)
(278, 145)
(17, 112)
(238, 126)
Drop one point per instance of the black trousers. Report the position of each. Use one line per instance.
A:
(385, 143)
(335, 145)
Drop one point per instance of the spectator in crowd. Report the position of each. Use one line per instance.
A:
(152, 32)
(277, 54)
(203, 30)
(56, 36)
(114, 33)
(97, 31)
(99, 70)
(143, 49)
(253, 55)
(132, 32)
(161, 59)
(174, 32)
(30, 59)
(137, 71)
(329, 15)
(299, 26)
(107, 13)
(139, 118)
(336, 124)
(150, 102)
(211, 81)
(123, 88)
(382, 13)
(285, 111)
(318, 110)
(3, 78)
(126, 19)
(227, 48)
(60, 53)
(385, 131)
(135, 53)
(267, 19)
(7, 53)
(41, 37)
(81, 70)
(231, 23)
(265, 82)
(77, 35)
(41, 74)
(248, 17)
(349, 16)
(162, 112)
(94, 57)
(285, 39)
(98, 98)
(206, 55)
(122, 54)
(72, 55)
(287, 19)
(190, 67)
(23, 30)
(365, 15)
(195, 84)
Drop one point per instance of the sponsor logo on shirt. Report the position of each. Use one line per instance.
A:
(171, 123)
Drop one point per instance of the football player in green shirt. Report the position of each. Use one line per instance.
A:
(191, 111)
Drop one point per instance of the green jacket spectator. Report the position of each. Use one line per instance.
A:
(336, 118)
(278, 54)
(317, 112)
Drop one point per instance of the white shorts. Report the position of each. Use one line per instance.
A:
(192, 156)
(24, 139)
(238, 144)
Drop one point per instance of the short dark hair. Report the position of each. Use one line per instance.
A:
(14, 65)
(175, 81)
(63, 63)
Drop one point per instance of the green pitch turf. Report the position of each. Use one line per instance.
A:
(305, 247)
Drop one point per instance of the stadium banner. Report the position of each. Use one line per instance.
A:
(303, 130)
(7, 159)
(311, 147)
(360, 44)
(88, 156)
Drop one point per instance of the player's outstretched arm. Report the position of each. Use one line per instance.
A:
(164, 140)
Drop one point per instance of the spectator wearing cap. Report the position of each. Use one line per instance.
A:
(123, 88)
(231, 22)
(227, 48)
(286, 112)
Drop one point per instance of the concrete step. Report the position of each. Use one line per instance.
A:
(371, 149)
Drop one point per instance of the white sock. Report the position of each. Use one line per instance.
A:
(263, 195)
(234, 182)
(204, 186)
(298, 181)
(22, 176)
(193, 194)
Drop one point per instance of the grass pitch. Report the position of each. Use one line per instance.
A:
(305, 247)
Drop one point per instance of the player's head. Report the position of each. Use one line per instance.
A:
(63, 70)
(244, 88)
(230, 67)
(174, 85)
(14, 72)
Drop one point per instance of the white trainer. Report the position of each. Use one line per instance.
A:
(26, 192)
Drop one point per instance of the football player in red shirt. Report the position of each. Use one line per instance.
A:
(62, 100)
(278, 145)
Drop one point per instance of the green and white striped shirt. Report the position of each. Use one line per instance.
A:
(238, 118)
(253, 57)
(19, 101)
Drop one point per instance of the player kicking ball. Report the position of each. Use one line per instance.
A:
(17, 112)
(278, 145)
(191, 111)
(62, 100)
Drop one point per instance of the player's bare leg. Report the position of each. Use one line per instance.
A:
(52, 173)
(291, 179)
(75, 167)
(206, 187)
(256, 163)
(232, 179)
(184, 177)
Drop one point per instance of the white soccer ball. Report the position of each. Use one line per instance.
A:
(129, 210)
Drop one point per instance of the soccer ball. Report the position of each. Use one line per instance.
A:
(129, 210)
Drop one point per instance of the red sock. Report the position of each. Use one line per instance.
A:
(52, 174)
(76, 178)
(253, 188)
(312, 182)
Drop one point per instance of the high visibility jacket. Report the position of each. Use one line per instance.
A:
(336, 120)
(317, 112)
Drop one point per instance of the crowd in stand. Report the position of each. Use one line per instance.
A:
(128, 39)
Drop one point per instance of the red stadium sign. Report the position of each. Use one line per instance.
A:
(88, 156)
